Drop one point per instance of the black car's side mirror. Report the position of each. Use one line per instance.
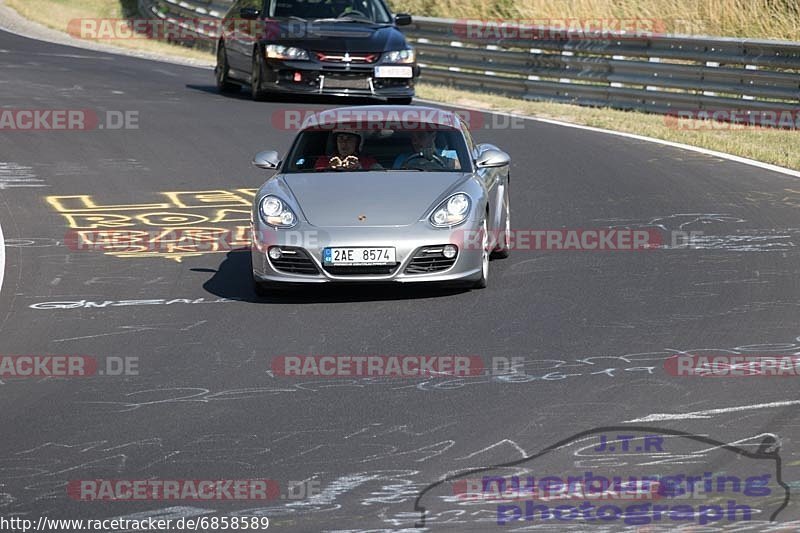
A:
(249, 13)
(402, 19)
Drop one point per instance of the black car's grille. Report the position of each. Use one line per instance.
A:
(367, 270)
(429, 259)
(339, 57)
(345, 82)
(293, 261)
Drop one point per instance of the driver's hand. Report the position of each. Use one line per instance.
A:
(351, 161)
(347, 163)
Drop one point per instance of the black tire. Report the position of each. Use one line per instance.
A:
(503, 248)
(482, 282)
(224, 84)
(256, 74)
(406, 100)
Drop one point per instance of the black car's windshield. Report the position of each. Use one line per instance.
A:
(339, 10)
(420, 147)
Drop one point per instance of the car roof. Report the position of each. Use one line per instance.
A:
(375, 113)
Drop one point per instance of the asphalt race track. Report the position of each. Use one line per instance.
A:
(594, 328)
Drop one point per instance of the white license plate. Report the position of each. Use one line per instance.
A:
(358, 256)
(393, 72)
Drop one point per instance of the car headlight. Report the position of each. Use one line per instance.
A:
(400, 56)
(452, 211)
(276, 51)
(275, 212)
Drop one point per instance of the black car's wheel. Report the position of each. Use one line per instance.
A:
(224, 84)
(483, 280)
(503, 246)
(256, 76)
(406, 100)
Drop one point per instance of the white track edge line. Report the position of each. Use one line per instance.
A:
(708, 413)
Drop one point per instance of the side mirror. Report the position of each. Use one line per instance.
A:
(402, 19)
(492, 158)
(249, 13)
(268, 160)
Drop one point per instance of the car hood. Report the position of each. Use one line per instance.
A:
(381, 198)
(344, 37)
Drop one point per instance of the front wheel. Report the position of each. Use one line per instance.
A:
(485, 251)
(224, 85)
(504, 245)
(256, 91)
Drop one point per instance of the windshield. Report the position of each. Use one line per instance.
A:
(419, 147)
(367, 10)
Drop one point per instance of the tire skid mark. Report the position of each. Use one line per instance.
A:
(14, 175)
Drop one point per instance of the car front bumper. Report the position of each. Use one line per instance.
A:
(334, 79)
(415, 249)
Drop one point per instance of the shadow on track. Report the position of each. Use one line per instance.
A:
(233, 280)
(288, 98)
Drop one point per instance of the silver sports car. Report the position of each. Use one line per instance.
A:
(381, 194)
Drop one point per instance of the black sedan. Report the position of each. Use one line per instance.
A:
(331, 47)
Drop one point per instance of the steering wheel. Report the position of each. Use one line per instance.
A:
(352, 12)
(434, 162)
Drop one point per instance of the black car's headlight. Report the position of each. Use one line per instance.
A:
(400, 56)
(452, 211)
(276, 51)
(276, 213)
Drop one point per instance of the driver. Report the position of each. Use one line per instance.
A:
(348, 146)
(425, 155)
(342, 8)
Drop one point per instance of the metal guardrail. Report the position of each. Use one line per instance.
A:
(645, 72)
(656, 73)
(184, 14)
